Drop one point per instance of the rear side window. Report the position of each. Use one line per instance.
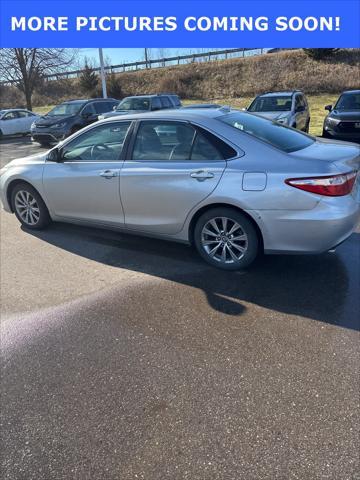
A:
(284, 138)
(176, 100)
(102, 107)
(155, 103)
(165, 102)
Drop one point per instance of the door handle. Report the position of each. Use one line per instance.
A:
(109, 173)
(201, 175)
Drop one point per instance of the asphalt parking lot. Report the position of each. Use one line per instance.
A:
(129, 358)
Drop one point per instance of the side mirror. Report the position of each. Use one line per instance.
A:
(328, 107)
(54, 155)
(114, 107)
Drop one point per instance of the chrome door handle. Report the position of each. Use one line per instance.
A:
(201, 175)
(109, 173)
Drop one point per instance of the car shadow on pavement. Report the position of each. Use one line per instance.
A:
(321, 287)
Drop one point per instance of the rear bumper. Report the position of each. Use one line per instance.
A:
(311, 231)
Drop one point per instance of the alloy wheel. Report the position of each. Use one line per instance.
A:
(224, 240)
(27, 207)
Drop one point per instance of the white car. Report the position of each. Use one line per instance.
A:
(16, 121)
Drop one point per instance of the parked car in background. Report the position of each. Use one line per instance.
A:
(144, 103)
(343, 120)
(229, 182)
(16, 121)
(69, 117)
(288, 108)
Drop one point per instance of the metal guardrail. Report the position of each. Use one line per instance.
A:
(151, 63)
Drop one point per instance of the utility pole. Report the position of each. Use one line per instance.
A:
(102, 71)
(146, 58)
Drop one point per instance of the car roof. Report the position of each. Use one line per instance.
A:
(86, 100)
(186, 114)
(275, 94)
(350, 91)
(3, 110)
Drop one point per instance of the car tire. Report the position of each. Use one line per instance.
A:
(226, 238)
(29, 207)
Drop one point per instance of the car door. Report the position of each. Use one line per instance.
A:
(89, 114)
(10, 123)
(171, 167)
(25, 120)
(84, 185)
(300, 114)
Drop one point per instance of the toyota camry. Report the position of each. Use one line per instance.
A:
(229, 182)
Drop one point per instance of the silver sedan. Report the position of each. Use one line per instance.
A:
(229, 182)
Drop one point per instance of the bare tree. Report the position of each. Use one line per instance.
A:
(26, 67)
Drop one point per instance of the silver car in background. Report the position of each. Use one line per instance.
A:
(288, 108)
(229, 182)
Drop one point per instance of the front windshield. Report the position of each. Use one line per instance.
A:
(66, 109)
(286, 139)
(348, 101)
(134, 104)
(281, 103)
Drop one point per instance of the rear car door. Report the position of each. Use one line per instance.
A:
(85, 184)
(25, 120)
(170, 168)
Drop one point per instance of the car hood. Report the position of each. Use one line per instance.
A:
(273, 115)
(348, 115)
(47, 121)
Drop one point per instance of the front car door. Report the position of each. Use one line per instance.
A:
(85, 184)
(25, 120)
(89, 114)
(10, 123)
(170, 168)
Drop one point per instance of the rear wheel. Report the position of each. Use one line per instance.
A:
(227, 239)
(29, 207)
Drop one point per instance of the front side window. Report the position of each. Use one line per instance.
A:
(89, 109)
(141, 103)
(10, 116)
(65, 109)
(102, 143)
(281, 103)
(348, 101)
(156, 104)
(178, 141)
(279, 136)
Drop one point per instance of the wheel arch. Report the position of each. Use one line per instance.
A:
(11, 187)
(210, 206)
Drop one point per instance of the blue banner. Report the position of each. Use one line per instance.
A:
(242, 23)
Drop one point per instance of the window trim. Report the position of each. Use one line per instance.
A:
(94, 126)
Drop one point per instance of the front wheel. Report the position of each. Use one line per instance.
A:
(226, 238)
(29, 207)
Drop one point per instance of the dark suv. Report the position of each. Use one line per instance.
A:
(343, 121)
(144, 103)
(69, 117)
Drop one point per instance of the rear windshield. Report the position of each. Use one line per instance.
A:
(284, 138)
(281, 103)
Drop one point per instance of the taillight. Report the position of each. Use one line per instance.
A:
(331, 186)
